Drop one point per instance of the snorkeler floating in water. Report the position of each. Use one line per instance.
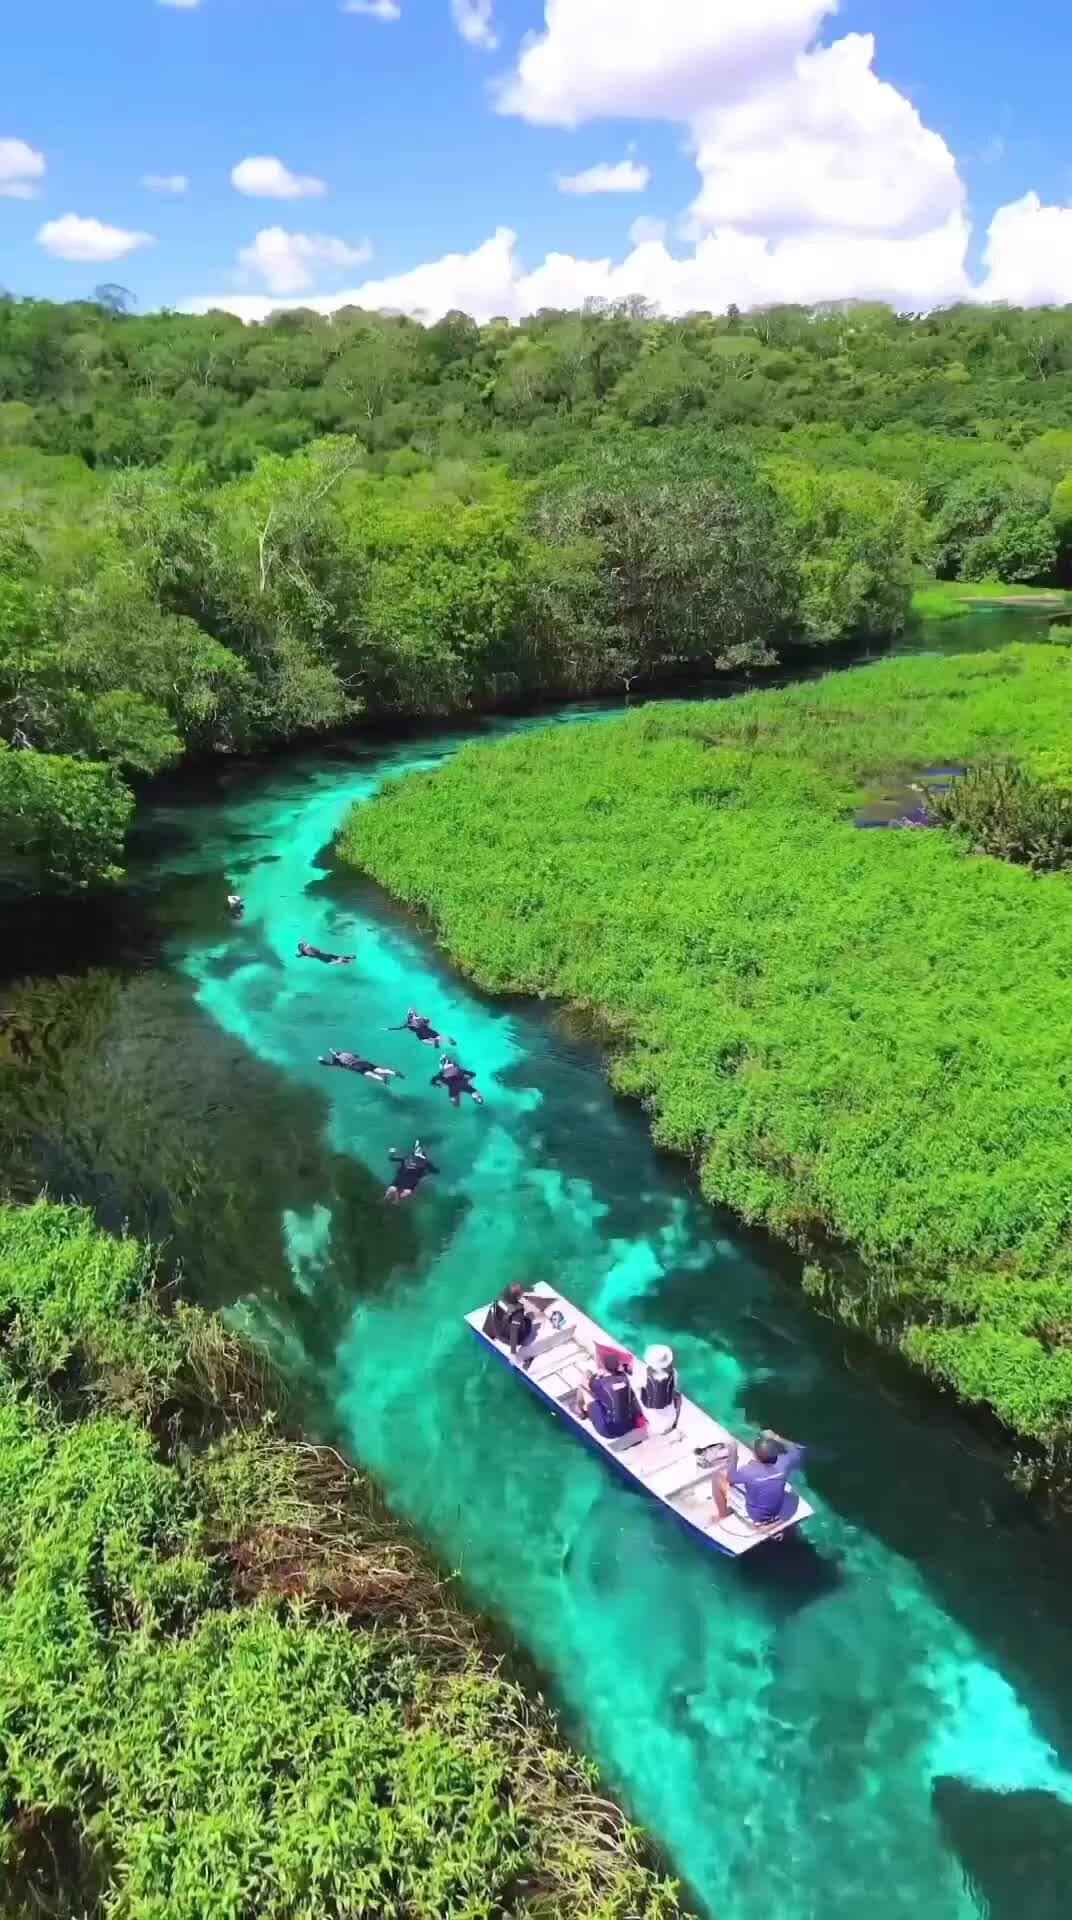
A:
(308, 952)
(422, 1029)
(457, 1080)
(354, 1063)
(412, 1169)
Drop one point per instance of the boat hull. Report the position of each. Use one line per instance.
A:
(662, 1465)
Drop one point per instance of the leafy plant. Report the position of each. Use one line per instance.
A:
(343, 1745)
(1005, 810)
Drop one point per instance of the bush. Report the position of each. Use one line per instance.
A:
(342, 1746)
(1004, 810)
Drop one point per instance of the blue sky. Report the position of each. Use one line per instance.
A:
(397, 119)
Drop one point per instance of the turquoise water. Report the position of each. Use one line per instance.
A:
(880, 1712)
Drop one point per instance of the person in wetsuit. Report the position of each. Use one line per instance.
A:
(422, 1029)
(308, 952)
(609, 1402)
(354, 1063)
(413, 1167)
(457, 1080)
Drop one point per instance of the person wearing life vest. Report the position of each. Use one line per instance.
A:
(306, 951)
(413, 1167)
(660, 1396)
(457, 1080)
(609, 1402)
(509, 1320)
(422, 1029)
(357, 1063)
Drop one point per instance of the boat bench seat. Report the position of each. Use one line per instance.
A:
(546, 1339)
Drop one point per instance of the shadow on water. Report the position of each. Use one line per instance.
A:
(1016, 1849)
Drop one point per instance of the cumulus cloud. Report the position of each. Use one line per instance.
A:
(646, 229)
(824, 147)
(287, 261)
(21, 167)
(724, 267)
(375, 9)
(473, 19)
(263, 177)
(74, 238)
(653, 59)
(608, 176)
(165, 182)
(1028, 254)
(800, 148)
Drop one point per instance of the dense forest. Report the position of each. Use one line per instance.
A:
(214, 537)
(859, 1037)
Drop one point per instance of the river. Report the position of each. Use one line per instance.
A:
(876, 1717)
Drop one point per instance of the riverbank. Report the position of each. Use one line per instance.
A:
(952, 599)
(230, 1683)
(859, 1037)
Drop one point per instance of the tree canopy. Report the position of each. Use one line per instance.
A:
(215, 536)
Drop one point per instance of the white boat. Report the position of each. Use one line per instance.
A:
(676, 1468)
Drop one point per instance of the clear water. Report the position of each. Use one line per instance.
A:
(880, 1713)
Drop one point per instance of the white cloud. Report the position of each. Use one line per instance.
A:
(165, 182)
(187, 6)
(375, 9)
(73, 238)
(646, 229)
(473, 19)
(825, 147)
(1028, 254)
(608, 176)
(286, 261)
(724, 267)
(799, 148)
(653, 59)
(263, 177)
(21, 167)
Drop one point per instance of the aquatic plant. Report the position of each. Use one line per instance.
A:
(861, 1039)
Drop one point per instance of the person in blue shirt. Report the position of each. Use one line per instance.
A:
(768, 1498)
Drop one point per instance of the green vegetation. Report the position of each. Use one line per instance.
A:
(213, 537)
(229, 1686)
(1004, 810)
(861, 1037)
(948, 599)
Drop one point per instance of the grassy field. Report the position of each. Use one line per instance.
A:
(948, 599)
(229, 1684)
(861, 1037)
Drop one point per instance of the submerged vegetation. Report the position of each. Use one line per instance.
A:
(229, 1684)
(214, 537)
(860, 1037)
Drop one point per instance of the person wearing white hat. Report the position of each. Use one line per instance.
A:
(660, 1395)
